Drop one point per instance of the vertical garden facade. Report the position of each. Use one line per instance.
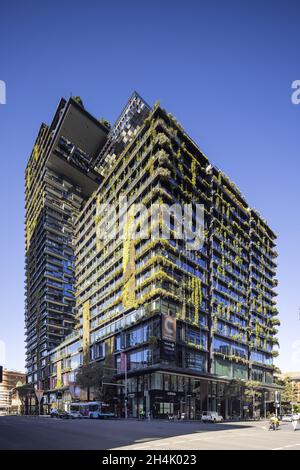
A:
(191, 328)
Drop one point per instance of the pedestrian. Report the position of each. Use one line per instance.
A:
(294, 424)
(274, 423)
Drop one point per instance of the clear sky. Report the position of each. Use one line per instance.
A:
(223, 68)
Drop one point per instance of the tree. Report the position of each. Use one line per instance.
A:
(94, 376)
(24, 392)
(78, 100)
(231, 387)
(288, 392)
(105, 122)
(253, 392)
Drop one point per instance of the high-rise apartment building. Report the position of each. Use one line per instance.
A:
(60, 176)
(188, 327)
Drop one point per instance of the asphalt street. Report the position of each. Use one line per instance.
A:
(22, 432)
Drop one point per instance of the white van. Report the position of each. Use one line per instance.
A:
(211, 417)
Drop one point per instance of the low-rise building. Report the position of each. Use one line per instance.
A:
(10, 379)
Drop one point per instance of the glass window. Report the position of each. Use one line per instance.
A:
(195, 361)
(221, 346)
(138, 335)
(166, 382)
(118, 346)
(76, 361)
(257, 375)
(222, 368)
(180, 383)
(157, 381)
(268, 377)
(199, 338)
(227, 348)
(99, 350)
(139, 359)
(239, 350)
(261, 357)
(240, 371)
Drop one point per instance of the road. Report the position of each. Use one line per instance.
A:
(33, 433)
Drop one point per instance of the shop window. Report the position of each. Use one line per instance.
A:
(180, 384)
(157, 381)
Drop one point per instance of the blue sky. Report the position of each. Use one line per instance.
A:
(223, 68)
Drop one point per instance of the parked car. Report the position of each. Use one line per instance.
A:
(74, 415)
(211, 417)
(58, 413)
(288, 417)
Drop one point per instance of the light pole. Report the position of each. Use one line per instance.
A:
(276, 402)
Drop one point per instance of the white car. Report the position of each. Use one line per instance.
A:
(211, 417)
(74, 415)
(289, 417)
(100, 415)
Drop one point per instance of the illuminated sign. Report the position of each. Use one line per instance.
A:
(168, 328)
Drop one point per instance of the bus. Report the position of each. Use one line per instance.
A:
(92, 410)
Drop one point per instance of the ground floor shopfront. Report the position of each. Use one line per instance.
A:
(160, 394)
